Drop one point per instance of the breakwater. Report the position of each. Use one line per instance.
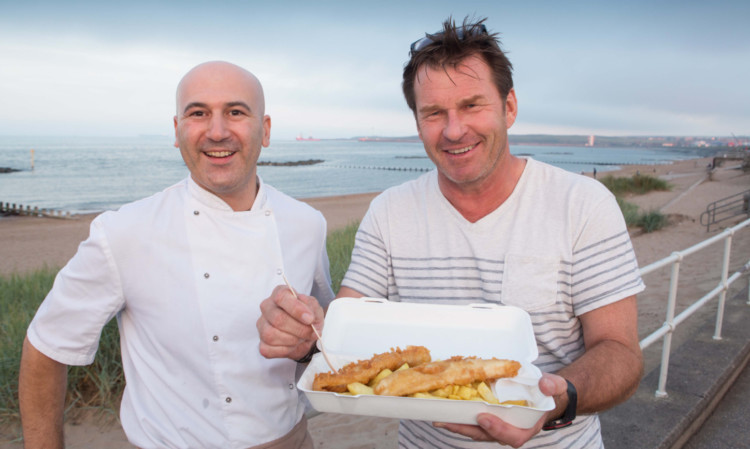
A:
(370, 167)
(20, 209)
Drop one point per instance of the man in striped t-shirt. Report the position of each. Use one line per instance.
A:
(488, 226)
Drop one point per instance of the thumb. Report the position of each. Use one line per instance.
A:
(552, 385)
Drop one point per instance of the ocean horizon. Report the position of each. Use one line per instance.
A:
(94, 174)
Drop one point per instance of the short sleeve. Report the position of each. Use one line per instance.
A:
(368, 270)
(604, 269)
(86, 294)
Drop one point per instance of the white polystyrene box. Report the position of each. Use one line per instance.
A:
(358, 328)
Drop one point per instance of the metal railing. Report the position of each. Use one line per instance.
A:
(726, 208)
(672, 321)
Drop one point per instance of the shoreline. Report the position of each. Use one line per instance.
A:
(583, 167)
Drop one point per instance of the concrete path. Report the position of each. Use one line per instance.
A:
(701, 371)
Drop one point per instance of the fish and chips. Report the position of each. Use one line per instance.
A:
(411, 372)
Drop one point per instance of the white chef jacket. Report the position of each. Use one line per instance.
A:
(184, 274)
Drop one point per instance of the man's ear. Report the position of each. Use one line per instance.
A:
(266, 130)
(176, 141)
(511, 108)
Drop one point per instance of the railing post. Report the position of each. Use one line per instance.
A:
(661, 391)
(725, 287)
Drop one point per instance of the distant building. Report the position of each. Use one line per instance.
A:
(590, 143)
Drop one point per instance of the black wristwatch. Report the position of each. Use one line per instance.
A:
(307, 357)
(570, 411)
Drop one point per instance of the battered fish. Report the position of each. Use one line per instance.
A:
(454, 371)
(364, 370)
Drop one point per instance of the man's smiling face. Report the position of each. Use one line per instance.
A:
(220, 128)
(463, 121)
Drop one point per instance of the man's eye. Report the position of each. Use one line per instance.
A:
(236, 112)
(196, 114)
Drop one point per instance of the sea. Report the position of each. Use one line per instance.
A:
(93, 174)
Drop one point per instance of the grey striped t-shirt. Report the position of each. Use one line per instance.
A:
(558, 247)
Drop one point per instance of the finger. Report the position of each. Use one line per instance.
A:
(276, 343)
(287, 312)
(290, 352)
(295, 305)
(279, 335)
(316, 311)
(474, 432)
(502, 432)
(278, 328)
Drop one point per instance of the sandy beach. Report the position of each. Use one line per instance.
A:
(28, 243)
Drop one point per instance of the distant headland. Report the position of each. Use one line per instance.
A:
(592, 140)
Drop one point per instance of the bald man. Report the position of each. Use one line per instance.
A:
(185, 272)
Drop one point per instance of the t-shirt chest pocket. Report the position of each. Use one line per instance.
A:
(530, 282)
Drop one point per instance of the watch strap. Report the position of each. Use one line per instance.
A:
(570, 411)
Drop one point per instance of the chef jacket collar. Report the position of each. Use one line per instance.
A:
(208, 199)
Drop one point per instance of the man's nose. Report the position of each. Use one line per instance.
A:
(454, 127)
(217, 128)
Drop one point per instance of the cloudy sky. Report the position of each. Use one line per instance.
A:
(333, 68)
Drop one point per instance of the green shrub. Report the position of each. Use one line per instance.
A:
(629, 211)
(652, 221)
(340, 244)
(20, 296)
(648, 221)
(636, 184)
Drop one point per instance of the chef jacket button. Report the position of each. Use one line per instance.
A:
(216, 338)
(291, 386)
(278, 271)
(195, 212)
(268, 213)
(206, 275)
(228, 400)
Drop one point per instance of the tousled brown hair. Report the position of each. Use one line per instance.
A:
(449, 49)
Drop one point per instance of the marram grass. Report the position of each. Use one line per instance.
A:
(637, 184)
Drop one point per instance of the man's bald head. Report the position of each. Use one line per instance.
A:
(208, 74)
